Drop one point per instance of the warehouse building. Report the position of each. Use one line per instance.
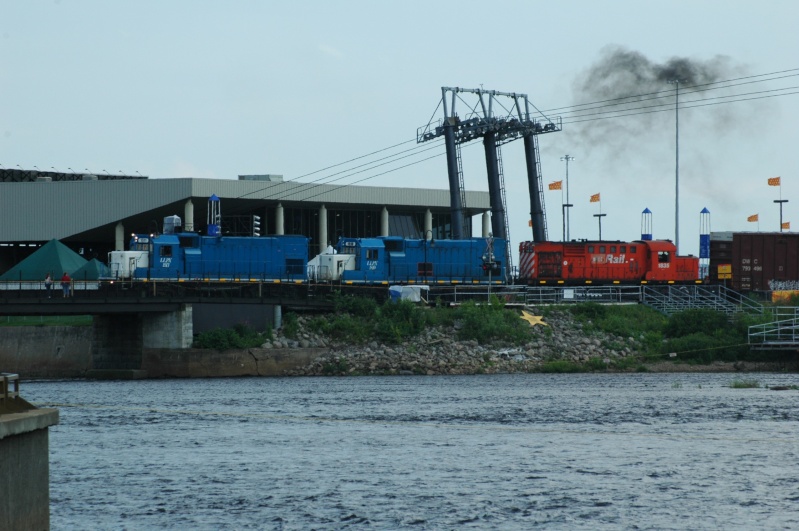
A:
(95, 214)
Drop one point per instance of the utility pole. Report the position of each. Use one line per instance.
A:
(676, 83)
(567, 158)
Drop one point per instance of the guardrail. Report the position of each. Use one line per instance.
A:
(10, 401)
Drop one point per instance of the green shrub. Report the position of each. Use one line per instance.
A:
(485, 323)
(588, 310)
(360, 306)
(291, 325)
(399, 320)
(596, 364)
(744, 384)
(241, 336)
(561, 366)
(696, 321)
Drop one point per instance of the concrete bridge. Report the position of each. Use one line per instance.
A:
(124, 324)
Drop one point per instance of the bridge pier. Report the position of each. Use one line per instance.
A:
(118, 340)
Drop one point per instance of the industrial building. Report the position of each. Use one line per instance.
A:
(95, 214)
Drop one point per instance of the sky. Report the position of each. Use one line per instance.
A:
(334, 92)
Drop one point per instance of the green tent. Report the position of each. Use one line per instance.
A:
(91, 270)
(53, 257)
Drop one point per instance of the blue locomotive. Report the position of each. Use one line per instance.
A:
(185, 256)
(396, 260)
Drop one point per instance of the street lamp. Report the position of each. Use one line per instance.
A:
(565, 206)
(599, 217)
(780, 201)
(567, 158)
(676, 83)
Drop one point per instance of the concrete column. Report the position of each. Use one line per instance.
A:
(168, 330)
(428, 222)
(188, 216)
(384, 222)
(119, 237)
(322, 229)
(278, 317)
(24, 461)
(486, 224)
(279, 219)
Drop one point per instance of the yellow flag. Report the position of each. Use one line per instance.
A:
(557, 185)
(786, 225)
(753, 217)
(595, 198)
(773, 181)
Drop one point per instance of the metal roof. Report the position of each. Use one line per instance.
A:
(90, 209)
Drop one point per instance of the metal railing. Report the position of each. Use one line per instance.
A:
(781, 334)
(10, 401)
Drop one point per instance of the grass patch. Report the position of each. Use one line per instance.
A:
(47, 320)
(745, 384)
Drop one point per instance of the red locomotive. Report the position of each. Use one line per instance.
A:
(603, 262)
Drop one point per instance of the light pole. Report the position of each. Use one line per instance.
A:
(599, 217)
(780, 201)
(676, 83)
(567, 158)
(565, 206)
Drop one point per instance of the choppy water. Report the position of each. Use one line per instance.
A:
(632, 451)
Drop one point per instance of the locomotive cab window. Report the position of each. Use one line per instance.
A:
(663, 257)
(371, 254)
(166, 250)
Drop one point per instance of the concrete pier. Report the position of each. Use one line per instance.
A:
(24, 459)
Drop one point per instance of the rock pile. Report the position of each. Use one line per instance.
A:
(438, 350)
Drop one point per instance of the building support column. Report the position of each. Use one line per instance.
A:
(486, 224)
(188, 216)
(119, 237)
(428, 222)
(279, 219)
(322, 229)
(384, 222)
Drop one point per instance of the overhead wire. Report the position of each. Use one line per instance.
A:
(571, 115)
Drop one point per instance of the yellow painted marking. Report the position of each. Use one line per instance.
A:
(533, 319)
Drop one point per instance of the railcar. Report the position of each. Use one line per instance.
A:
(396, 260)
(188, 256)
(605, 262)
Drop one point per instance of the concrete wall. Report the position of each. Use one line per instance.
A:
(25, 469)
(201, 363)
(67, 352)
(46, 352)
(168, 330)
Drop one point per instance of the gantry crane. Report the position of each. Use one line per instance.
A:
(482, 120)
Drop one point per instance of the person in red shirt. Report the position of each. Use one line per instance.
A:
(65, 283)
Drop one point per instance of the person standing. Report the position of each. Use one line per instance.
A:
(48, 285)
(65, 284)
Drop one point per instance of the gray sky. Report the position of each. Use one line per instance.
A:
(217, 89)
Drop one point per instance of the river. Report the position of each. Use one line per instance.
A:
(584, 451)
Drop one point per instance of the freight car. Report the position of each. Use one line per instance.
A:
(188, 256)
(755, 261)
(604, 262)
(396, 260)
